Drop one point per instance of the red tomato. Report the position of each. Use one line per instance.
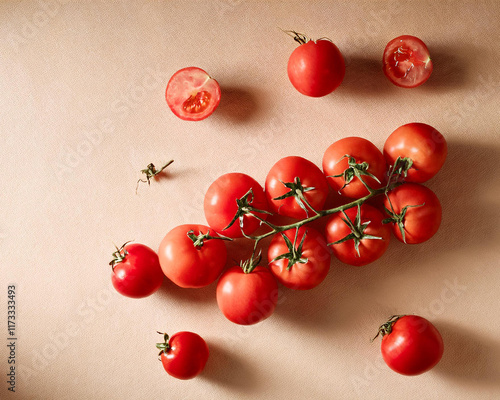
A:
(136, 271)
(423, 144)
(247, 298)
(416, 212)
(192, 94)
(312, 187)
(411, 345)
(190, 263)
(407, 62)
(316, 68)
(183, 356)
(221, 207)
(363, 232)
(306, 265)
(367, 162)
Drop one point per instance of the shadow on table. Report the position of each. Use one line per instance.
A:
(238, 104)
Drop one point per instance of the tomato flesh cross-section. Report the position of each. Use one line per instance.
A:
(407, 62)
(192, 94)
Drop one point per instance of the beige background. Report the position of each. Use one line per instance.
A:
(83, 110)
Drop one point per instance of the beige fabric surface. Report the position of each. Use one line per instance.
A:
(83, 111)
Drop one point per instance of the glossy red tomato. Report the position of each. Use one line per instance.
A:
(364, 160)
(366, 232)
(411, 345)
(247, 298)
(407, 62)
(136, 271)
(184, 355)
(191, 256)
(422, 143)
(416, 212)
(316, 68)
(192, 94)
(306, 263)
(221, 207)
(310, 190)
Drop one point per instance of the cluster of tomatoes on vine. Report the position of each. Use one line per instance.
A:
(299, 256)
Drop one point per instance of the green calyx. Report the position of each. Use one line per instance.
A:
(357, 230)
(386, 327)
(119, 255)
(199, 240)
(294, 254)
(164, 347)
(249, 265)
(150, 171)
(398, 219)
(245, 208)
(355, 170)
(297, 190)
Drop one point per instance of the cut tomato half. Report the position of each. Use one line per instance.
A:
(192, 94)
(407, 62)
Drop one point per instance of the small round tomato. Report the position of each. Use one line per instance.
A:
(184, 355)
(357, 236)
(351, 161)
(294, 185)
(423, 144)
(411, 345)
(192, 94)
(407, 62)
(315, 68)
(415, 212)
(247, 296)
(220, 204)
(301, 261)
(191, 257)
(136, 270)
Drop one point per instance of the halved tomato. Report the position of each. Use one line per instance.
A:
(192, 94)
(407, 62)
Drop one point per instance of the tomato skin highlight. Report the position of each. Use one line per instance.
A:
(139, 274)
(316, 68)
(301, 276)
(413, 347)
(363, 151)
(188, 266)
(187, 355)
(406, 61)
(286, 170)
(420, 223)
(425, 145)
(247, 298)
(220, 204)
(192, 94)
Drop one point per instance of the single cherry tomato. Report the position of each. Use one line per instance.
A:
(407, 62)
(414, 211)
(423, 144)
(192, 256)
(351, 161)
(411, 345)
(294, 185)
(247, 295)
(192, 94)
(220, 204)
(136, 270)
(315, 68)
(302, 260)
(357, 236)
(184, 355)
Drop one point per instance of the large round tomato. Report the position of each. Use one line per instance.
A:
(350, 159)
(362, 235)
(300, 180)
(190, 258)
(184, 355)
(246, 298)
(136, 271)
(307, 258)
(192, 94)
(415, 212)
(221, 207)
(407, 62)
(423, 144)
(316, 68)
(411, 345)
